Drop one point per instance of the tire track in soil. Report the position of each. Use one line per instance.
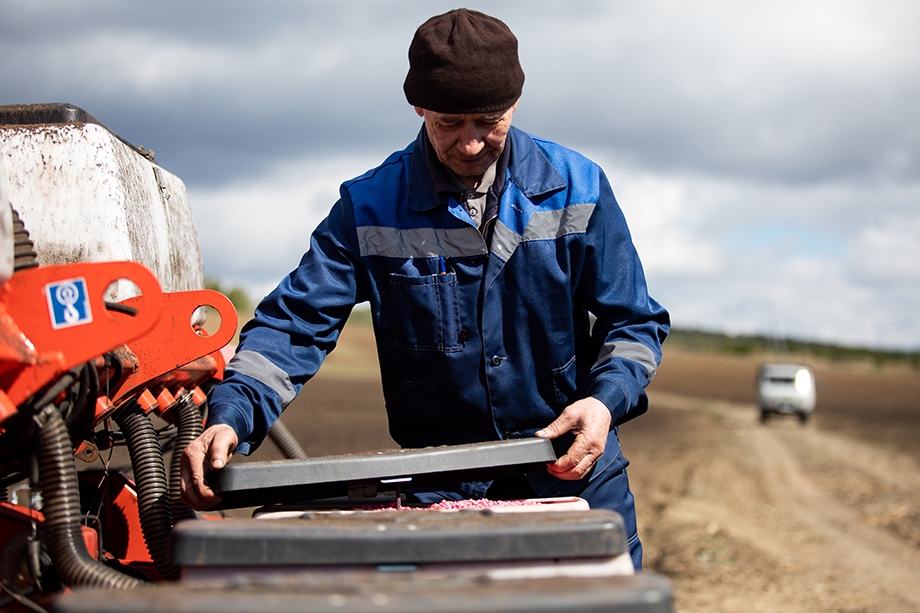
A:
(751, 517)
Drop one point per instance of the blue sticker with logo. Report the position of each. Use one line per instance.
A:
(68, 303)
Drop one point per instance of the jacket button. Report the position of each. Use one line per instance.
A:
(496, 360)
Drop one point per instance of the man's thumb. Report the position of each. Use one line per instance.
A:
(554, 430)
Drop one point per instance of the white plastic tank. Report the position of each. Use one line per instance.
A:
(86, 195)
(6, 228)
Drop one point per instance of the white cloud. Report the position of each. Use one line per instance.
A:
(253, 233)
(888, 250)
(790, 91)
(159, 66)
(766, 155)
(836, 262)
(664, 226)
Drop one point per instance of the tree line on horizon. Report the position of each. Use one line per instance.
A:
(747, 344)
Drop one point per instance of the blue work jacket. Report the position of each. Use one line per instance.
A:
(476, 341)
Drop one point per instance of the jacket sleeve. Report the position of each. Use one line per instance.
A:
(292, 331)
(630, 326)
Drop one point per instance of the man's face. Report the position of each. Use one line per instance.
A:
(467, 143)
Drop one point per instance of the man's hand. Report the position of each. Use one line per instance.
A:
(209, 451)
(589, 420)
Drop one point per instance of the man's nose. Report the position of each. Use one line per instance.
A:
(471, 141)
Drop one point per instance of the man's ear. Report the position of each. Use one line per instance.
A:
(420, 111)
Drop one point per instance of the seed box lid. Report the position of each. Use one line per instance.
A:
(399, 537)
(362, 475)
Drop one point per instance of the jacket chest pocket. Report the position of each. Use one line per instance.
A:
(425, 312)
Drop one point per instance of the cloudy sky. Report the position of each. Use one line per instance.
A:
(766, 154)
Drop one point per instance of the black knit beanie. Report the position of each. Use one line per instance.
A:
(463, 62)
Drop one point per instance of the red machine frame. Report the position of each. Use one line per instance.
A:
(149, 353)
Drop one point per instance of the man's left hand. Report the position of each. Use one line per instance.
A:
(589, 420)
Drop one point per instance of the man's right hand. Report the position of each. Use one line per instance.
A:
(210, 451)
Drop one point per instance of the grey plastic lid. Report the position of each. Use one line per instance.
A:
(362, 475)
(399, 537)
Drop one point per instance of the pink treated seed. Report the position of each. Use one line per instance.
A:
(455, 505)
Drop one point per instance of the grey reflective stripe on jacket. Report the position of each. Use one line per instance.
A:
(543, 225)
(636, 352)
(419, 242)
(258, 367)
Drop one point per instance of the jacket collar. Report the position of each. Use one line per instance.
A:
(529, 169)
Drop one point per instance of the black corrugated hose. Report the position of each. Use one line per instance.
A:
(24, 255)
(61, 494)
(62, 532)
(285, 441)
(188, 424)
(152, 489)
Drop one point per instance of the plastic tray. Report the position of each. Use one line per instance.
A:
(363, 475)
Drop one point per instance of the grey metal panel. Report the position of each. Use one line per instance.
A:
(406, 537)
(389, 592)
(260, 483)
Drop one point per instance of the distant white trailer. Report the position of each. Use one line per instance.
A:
(786, 389)
(86, 195)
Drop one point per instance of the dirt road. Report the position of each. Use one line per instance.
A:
(743, 517)
(739, 516)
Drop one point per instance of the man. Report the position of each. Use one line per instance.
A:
(507, 297)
